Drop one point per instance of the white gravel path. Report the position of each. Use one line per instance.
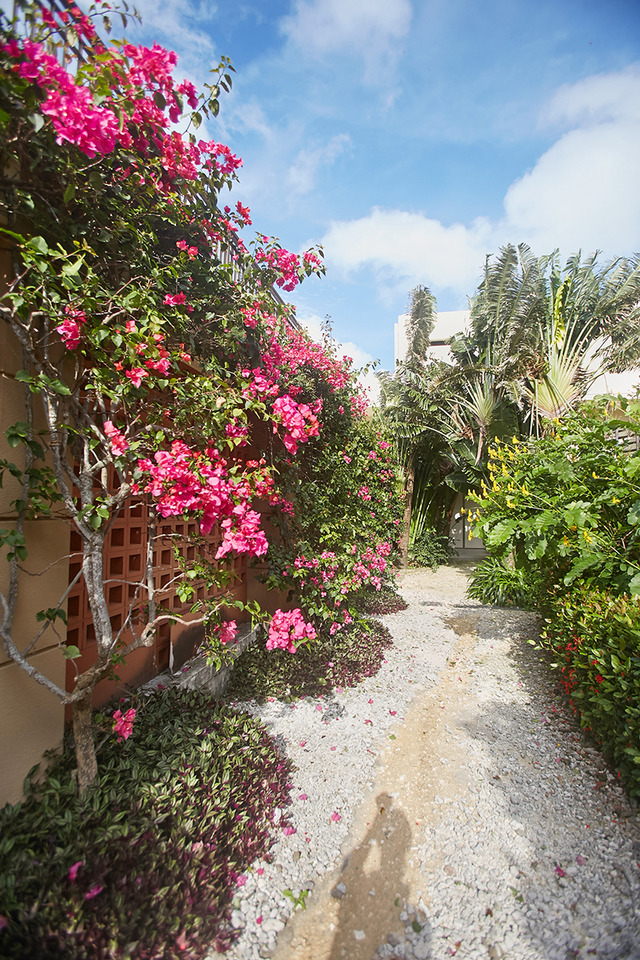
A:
(447, 806)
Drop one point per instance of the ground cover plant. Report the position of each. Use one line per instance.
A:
(145, 863)
(339, 660)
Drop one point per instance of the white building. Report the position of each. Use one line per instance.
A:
(448, 323)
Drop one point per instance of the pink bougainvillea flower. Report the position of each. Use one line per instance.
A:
(288, 831)
(259, 919)
(287, 629)
(393, 712)
(174, 299)
(560, 872)
(4, 923)
(228, 631)
(73, 870)
(119, 443)
(260, 871)
(123, 725)
(90, 894)
(70, 328)
(303, 796)
(335, 816)
(242, 879)
(303, 743)
(136, 375)
(580, 860)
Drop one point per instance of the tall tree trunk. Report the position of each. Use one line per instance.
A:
(406, 520)
(84, 745)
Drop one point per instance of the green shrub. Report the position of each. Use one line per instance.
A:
(430, 549)
(596, 638)
(341, 660)
(181, 808)
(568, 502)
(494, 581)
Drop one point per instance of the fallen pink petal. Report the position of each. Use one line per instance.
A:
(335, 816)
(90, 894)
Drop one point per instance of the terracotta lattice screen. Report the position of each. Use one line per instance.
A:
(124, 571)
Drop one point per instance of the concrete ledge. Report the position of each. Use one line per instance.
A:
(197, 674)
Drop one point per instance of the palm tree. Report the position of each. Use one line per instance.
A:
(404, 402)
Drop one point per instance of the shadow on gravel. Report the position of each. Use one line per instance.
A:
(542, 782)
(373, 891)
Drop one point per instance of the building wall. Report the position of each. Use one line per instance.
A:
(31, 717)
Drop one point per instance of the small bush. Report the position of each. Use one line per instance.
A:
(493, 581)
(429, 550)
(342, 660)
(596, 637)
(180, 810)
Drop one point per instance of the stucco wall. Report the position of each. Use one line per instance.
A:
(31, 717)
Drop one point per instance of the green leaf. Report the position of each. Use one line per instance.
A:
(24, 376)
(39, 244)
(71, 269)
(71, 652)
(634, 585)
(37, 120)
(69, 193)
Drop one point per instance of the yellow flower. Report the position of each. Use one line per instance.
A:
(514, 439)
(524, 490)
(510, 503)
(614, 500)
(586, 536)
(594, 475)
(565, 541)
(504, 471)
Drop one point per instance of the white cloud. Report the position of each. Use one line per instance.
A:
(169, 20)
(368, 28)
(302, 172)
(408, 248)
(313, 324)
(596, 99)
(582, 193)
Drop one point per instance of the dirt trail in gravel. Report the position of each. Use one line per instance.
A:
(416, 772)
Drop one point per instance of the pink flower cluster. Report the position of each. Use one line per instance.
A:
(288, 628)
(70, 328)
(135, 76)
(123, 724)
(285, 264)
(182, 480)
(227, 631)
(298, 420)
(119, 443)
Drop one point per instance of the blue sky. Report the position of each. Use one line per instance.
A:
(413, 137)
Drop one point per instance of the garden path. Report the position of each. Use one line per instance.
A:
(493, 829)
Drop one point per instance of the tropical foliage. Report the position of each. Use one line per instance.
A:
(539, 333)
(560, 517)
